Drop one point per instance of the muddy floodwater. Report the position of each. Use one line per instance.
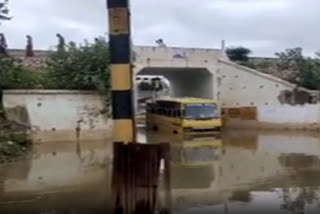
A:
(239, 172)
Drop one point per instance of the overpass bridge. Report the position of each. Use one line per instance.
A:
(208, 73)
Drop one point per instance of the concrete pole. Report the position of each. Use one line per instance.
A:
(121, 71)
(223, 45)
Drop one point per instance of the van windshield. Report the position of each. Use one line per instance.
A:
(201, 111)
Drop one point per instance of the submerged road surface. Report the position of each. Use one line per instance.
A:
(241, 172)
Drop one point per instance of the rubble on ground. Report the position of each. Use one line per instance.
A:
(14, 141)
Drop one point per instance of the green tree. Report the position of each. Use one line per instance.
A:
(4, 11)
(14, 76)
(305, 71)
(79, 67)
(238, 54)
(291, 59)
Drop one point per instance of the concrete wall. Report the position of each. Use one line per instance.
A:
(147, 56)
(241, 86)
(300, 114)
(304, 117)
(48, 112)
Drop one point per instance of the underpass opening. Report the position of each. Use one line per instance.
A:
(177, 82)
(185, 82)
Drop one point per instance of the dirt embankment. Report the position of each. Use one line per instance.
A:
(14, 140)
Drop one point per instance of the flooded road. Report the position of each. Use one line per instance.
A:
(64, 177)
(241, 172)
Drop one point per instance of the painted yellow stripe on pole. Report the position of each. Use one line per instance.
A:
(119, 21)
(121, 77)
(123, 131)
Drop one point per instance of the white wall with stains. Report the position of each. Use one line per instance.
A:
(242, 86)
(286, 114)
(54, 111)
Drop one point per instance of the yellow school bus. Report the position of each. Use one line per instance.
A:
(196, 160)
(196, 152)
(183, 116)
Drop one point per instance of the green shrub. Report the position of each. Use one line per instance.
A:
(14, 76)
(85, 67)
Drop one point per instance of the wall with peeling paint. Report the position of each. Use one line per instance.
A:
(242, 86)
(74, 114)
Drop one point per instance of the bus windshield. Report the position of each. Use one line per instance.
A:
(201, 111)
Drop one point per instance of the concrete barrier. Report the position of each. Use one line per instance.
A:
(304, 117)
(59, 115)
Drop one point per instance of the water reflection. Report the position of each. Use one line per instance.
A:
(193, 162)
(64, 178)
(238, 172)
(251, 172)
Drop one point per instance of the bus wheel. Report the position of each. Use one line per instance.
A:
(155, 128)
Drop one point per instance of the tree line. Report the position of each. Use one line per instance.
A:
(301, 70)
(69, 66)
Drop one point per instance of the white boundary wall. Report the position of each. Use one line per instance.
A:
(299, 114)
(287, 117)
(53, 114)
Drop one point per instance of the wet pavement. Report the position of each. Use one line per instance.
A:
(241, 172)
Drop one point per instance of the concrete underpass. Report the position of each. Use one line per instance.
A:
(186, 82)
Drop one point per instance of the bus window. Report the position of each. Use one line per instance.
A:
(201, 111)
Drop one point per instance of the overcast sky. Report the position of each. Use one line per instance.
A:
(265, 26)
